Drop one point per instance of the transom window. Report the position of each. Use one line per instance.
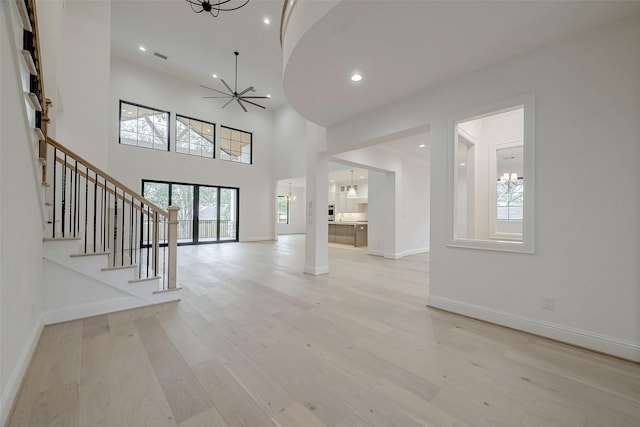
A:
(235, 145)
(195, 137)
(144, 126)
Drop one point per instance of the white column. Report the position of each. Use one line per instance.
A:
(316, 242)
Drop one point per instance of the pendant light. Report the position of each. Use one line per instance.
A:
(351, 194)
(291, 197)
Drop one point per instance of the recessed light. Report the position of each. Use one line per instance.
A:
(267, 21)
(422, 145)
(463, 164)
(268, 95)
(356, 77)
(142, 48)
(215, 76)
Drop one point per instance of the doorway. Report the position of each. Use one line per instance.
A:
(208, 214)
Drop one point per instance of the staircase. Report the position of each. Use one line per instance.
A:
(105, 247)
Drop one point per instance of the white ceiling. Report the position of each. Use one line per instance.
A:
(404, 47)
(198, 45)
(400, 47)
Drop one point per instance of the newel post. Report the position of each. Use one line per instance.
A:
(173, 246)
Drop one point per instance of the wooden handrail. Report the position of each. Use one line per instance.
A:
(106, 188)
(105, 175)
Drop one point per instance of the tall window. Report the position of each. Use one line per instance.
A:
(207, 214)
(144, 126)
(195, 137)
(283, 210)
(510, 196)
(235, 145)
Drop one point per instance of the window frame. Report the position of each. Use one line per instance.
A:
(137, 139)
(278, 210)
(527, 245)
(250, 145)
(203, 122)
(195, 219)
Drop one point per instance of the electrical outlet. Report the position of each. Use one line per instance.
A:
(548, 303)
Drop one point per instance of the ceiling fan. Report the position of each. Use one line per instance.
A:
(234, 95)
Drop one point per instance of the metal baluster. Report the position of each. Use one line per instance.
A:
(164, 253)
(76, 212)
(64, 191)
(108, 202)
(131, 232)
(139, 252)
(86, 205)
(148, 239)
(124, 198)
(55, 165)
(95, 206)
(115, 224)
(71, 216)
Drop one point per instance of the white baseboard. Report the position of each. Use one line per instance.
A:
(414, 251)
(398, 255)
(590, 340)
(13, 385)
(316, 271)
(375, 252)
(80, 311)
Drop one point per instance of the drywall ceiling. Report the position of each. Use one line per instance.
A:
(198, 45)
(404, 47)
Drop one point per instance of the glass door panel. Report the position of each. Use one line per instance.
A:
(182, 196)
(207, 214)
(228, 213)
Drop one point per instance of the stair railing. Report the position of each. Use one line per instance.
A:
(110, 218)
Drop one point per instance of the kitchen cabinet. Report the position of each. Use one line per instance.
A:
(348, 233)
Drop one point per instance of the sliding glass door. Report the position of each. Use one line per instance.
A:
(207, 214)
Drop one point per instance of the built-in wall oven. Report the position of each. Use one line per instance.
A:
(332, 212)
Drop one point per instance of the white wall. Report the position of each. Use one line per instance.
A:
(297, 212)
(587, 154)
(80, 92)
(289, 141)
(130, 164)
(21, 221)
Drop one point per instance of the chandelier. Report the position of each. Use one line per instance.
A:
(215, 6)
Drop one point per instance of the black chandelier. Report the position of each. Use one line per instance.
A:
(215, 6)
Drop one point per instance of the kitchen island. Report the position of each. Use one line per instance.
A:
(348, 233)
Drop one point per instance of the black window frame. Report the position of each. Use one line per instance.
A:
(199, 120)
(137, 140)
(196, 201)
(250, 150)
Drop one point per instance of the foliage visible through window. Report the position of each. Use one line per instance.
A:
(194, 137)
(510, 198)
(144, 126)
(235, 145)
(283, 210)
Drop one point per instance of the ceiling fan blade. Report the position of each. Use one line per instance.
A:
(215, 90)
(240, 103)
(228, 102)
(253, 103)
(256, 97)
(246, 90)
(225, 83)
(209, 97)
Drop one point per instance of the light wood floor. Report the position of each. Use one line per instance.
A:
(256, 343)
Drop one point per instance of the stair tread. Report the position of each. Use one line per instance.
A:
(89, 254)
(59, 239)
(120, 267)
